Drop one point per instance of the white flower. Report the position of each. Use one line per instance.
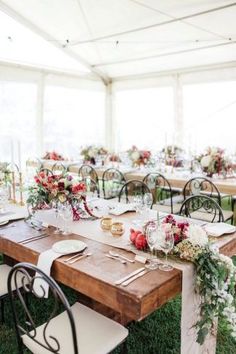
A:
(197, 236)
(134, 155)
(206, 160)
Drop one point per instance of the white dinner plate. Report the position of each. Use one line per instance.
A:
(69, 246)
(4, 222)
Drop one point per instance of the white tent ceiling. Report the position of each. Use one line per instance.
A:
(120, 38)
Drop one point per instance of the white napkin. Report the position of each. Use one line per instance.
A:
(45, 261)
(121, 209)
(219, 229)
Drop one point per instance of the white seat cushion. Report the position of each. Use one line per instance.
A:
(4, 271)
(96, 334)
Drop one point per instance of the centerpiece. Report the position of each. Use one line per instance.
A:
(53, 155)
(60, 189)
(92, 153)
(5, 173)
(215, 274)
(213, 161)
(139, 157)
(173, 156)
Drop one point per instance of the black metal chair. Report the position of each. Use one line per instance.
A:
(204, 186)
(202, 207)
(88, 171)
(112, 181)
(59, 168)
(92, 186)
(77, 330)
(131, 189)
(46, 171)
(162, 193)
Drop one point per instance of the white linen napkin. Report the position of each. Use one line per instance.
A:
(45, 261)
(219, 229)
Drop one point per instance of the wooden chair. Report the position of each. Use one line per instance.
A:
(131, 189)
(162, 193)
(202, 207)
(77, 330)
(204, 186)
(112, 181)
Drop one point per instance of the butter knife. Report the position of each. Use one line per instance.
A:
(118, 282)
(127, 282)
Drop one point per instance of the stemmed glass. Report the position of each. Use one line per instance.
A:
(147, 202)
(66, 213)
(151, 236)
(138, 205)
(56, 205)
(165, 241)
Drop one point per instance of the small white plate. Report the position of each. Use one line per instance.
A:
(69, 246)
(219, 229)
(4, 222)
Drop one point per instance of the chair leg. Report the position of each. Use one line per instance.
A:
(124, 349)
(2, 311)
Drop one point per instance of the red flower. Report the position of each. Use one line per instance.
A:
(61, 186)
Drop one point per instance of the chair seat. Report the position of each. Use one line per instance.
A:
(96, 334)
(4, 271)
(203, 215)
(165, 208)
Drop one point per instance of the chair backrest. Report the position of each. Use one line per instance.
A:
(59, 168)
(202, 207)
(21, 278)
(131, 189)
(160, 188)
(112, 181)
(46, 171)
(91, 186)
(88, 171)
(201, 185)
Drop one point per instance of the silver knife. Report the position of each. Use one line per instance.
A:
(118, 282)
(127, 282)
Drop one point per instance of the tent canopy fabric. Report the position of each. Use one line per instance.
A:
(123, 38)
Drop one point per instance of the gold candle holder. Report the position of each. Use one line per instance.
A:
(117, 229)
(106, 223)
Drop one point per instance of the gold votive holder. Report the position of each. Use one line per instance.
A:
(117, 229)
(106, 223)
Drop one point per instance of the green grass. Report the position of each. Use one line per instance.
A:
(157, 334)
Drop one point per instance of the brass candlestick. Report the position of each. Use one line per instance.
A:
(13, 188)
(21, 189)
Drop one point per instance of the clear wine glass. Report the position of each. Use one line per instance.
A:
(66, 213)
(138, 206)
(165, 242)
(151, 235)
(56, 205)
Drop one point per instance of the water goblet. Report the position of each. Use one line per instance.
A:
(151, 236)
(165, 242)
(56, 205)
(66, 213)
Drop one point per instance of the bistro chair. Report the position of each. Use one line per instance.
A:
(202, 207)
(88, 171)
(59, 168)
(132, 189)
(76, 330)
(204, 186)
(4, 273)
(112, 181)
(162, 193)
(91, 186)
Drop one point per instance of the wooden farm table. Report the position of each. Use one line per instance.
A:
(94, 276)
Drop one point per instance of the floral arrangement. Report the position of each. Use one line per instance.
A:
(139, 157)
(114, 158)
(90, 153)
(59, 188)
(214, 161)
(5, 173)
(53, 156)
(215, 275)
(173, 155)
